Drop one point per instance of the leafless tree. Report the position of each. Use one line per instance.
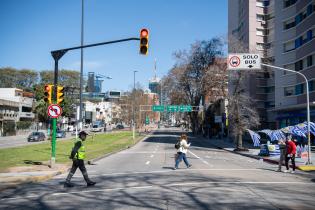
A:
(242, 113)
(194, 75)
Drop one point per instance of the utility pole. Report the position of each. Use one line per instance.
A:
(133, 107)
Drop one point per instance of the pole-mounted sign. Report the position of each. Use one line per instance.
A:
(244, 61)
(54, 111)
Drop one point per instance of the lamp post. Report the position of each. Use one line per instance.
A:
(133, 107)
(81, 68)
(309, 160)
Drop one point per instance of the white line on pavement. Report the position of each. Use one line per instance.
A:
(151, 156)
(205, 162)
(160, 186)
(147, 163)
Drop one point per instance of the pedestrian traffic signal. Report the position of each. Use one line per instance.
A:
(144, 41)
(60, 94)
(48, 93)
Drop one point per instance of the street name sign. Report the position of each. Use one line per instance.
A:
(54, 110)
(185, 108)
(158, 108)
(244, 61)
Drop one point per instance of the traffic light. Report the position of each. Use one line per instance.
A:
(144, 41)
(48, 93)
(60, 94)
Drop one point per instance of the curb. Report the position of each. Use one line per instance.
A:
(302, 168)
(31, 179)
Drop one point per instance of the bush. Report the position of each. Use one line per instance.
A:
(23, 125)
(9, 128)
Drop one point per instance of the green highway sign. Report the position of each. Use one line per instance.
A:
(147, 120)
(185, 108)
(158, 108)
(172, 108)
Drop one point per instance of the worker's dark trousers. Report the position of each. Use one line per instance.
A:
(78, 163)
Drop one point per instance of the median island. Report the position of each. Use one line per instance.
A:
(39, 154)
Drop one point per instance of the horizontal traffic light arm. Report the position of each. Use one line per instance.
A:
(57, 54)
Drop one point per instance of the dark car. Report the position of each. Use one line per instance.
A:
(61, 134)
(36, 136)
(120, 127)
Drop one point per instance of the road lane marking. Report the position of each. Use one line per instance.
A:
(147, 163)
(205, 162)
(151, 156)
(160, 186)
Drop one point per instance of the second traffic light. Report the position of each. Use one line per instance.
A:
(60, 94)
(144, 41)
(48, 93)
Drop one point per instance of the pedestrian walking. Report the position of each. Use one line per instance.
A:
(78, 156)
(181, 152)
(282, 148)
(290, 154)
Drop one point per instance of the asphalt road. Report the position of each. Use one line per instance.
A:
(142, 178)
(21, 140)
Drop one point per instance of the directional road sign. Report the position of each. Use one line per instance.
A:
(158, 108)
(244, 61)
(172, 108)
(185, 108)
(54, 110)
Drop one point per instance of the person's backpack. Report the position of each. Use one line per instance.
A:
(177, 145)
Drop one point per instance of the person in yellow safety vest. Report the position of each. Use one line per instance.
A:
(78, 156)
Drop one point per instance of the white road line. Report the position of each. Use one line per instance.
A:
(147, 163)
(205, 162)
(151, 156)
(161, 186)
(181, 171)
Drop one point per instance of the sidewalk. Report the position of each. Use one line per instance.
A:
(227, 145)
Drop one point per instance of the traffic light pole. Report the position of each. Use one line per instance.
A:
(57, 55)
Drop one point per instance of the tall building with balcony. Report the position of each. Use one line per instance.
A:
(15, 105)
(295, 50)
(251, 24)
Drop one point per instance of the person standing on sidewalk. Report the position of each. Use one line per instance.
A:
(181, 152)
(290, 154)
(282, 148)
(78, 156)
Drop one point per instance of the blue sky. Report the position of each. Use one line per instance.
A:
(31, 29)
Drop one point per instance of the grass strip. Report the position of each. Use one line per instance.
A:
(95, 146)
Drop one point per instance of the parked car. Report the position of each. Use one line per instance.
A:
(61, 134)
(98, 126)
(120, 126)
(36, 136)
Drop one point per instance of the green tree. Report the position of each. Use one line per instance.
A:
(12, 78)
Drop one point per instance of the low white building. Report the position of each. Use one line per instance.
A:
(101, 111)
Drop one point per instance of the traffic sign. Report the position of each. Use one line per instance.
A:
(147, 120)
(158, 108)
(172, 108)
(185, 108)
(54, 111)
(244, 61)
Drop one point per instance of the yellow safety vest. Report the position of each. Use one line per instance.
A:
(81, 152)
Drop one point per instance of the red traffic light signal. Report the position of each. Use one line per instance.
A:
(48, 93)
(144, 41)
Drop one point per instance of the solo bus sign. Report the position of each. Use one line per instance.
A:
(244, 61)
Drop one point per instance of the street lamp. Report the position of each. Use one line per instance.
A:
(133, 107)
